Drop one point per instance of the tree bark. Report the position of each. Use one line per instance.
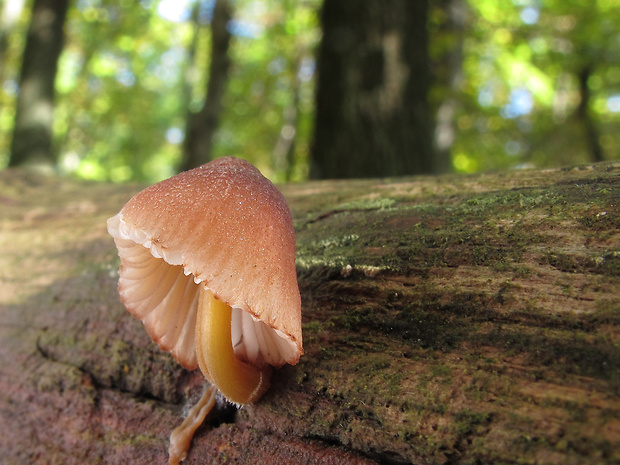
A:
(372, 115)
(32, 134)
(453, 319)
(201, 126)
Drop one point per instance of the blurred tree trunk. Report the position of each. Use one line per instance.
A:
(372, 115)
(201, 126)
(284, 150)
(10, 12)
(450, 77)
(191, 71)
(585, 117)
(32, 134)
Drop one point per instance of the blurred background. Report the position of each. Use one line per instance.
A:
(130, 90)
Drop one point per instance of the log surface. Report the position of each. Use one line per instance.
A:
(452, 319)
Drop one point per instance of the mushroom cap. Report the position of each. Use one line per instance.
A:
(223, 226)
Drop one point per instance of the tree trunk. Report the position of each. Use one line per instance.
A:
(9, 16)
(453, 319)
(201, 126)
(32, 134)
(451, 80)
(372, 115)
(585, 116)
(284, 150)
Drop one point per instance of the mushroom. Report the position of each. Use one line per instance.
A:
(208, 265)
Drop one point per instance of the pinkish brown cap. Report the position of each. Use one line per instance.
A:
(223, 226)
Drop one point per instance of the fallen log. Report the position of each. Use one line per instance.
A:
(451, 319)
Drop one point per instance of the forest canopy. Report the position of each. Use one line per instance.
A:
(513, 83)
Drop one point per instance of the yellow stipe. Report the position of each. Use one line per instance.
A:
(238, 381)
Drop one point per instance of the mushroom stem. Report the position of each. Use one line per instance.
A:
(181, 436)
(238, 381)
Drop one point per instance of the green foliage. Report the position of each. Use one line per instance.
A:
(118, 91)
(521, 91)
(127, 80)
(125, 84)
(272, 73)
(12, 41)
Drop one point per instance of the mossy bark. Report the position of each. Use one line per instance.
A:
(456, 319)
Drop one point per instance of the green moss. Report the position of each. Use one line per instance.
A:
(441, 371)
(367, 204)
(607, 263)
(607, 312)
(57, 377)
(563, 353)
(470, 422)
(312, 327)
(601, 221)
(372, 363)
(114, 363)
(429, 234)
(333, 252)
